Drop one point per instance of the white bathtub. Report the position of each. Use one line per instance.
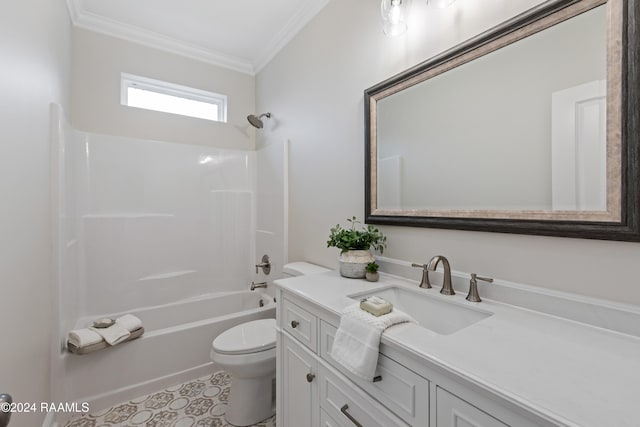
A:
(174, 348)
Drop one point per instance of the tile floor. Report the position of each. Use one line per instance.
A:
(197, 403)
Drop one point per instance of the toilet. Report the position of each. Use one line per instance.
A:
(248, 353)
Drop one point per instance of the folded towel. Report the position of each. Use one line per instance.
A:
(129, 322)
(83, 337)
(357, 340)
(114, 334)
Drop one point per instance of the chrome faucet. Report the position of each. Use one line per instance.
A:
(254, 285)
(447, 288)
(473, 295)
(424, 283)
(265, 265)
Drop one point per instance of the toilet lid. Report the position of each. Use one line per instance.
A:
(250, 337)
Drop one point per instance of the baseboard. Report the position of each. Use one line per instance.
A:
(50, 420)
(106, 400)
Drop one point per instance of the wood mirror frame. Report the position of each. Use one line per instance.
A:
(622, 219)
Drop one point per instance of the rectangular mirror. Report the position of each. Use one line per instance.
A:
(530, 128)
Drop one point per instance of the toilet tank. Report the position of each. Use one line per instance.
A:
(302, 268)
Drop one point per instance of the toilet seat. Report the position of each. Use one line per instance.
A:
(250, 337)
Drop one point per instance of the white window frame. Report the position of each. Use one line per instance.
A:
(172, 89)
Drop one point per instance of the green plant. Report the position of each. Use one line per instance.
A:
(372, 267)
(351, 239)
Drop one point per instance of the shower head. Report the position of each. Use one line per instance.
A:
(255, 120)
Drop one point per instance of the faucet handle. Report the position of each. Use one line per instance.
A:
(424, 283)
(264, 264)
(473, 295)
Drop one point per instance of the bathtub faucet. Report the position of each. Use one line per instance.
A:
(265, 265)
(258, 285)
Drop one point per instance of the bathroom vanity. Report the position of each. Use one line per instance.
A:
(465, 364)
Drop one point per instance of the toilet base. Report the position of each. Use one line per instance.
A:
(251, 400)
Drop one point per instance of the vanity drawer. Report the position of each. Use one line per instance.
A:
(300, 324)
(453, 411)
(327, 421)
(399, 389)
(348, 406)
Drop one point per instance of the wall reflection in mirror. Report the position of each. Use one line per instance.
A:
(522, 128)
(528, 128)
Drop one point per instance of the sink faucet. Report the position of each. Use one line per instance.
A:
(447, 288)
(425, 275)
(473, 295)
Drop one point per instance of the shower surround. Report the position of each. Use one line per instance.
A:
(141, 224)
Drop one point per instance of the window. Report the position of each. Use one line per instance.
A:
(150, 94)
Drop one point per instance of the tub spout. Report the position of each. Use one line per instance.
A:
(258, 285)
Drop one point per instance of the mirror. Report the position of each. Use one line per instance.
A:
(529, 128)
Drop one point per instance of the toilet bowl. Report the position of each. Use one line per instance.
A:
(248, 353)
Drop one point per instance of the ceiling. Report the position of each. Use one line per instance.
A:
(243, 35)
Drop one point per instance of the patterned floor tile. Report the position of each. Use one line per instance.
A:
(197, 403)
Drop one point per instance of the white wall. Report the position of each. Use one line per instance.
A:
(35, 53)
(98, 61)
(314, 88)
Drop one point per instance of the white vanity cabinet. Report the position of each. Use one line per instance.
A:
(299, 385)
(455, 412)
(311, 392)
(314, 390)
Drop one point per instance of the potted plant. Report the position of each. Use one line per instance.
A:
(355, 245)
(372, 272)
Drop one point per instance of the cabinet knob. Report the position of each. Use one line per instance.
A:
(310, 377)
(294, 324)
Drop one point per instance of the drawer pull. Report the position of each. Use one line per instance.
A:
(294, 324)
(310, 377)
(377, 378)
(344, 410)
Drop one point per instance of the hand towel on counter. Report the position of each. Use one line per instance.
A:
(357, 340)
(114, 334)
(83, 337)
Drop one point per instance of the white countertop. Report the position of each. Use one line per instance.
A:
(564, 370)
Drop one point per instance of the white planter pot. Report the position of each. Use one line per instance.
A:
(372, 277)
(353, 264)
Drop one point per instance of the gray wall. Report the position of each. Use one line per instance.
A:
(98, 61)
(479, 136)
(314, 88)
(35, 52)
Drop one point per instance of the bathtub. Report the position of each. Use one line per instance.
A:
(174, 348)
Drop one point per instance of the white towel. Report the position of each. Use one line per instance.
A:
(357, 340)
(83, 337)
(129, 322)
(114, 334)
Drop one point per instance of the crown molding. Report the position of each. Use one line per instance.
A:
(134, 34)
(288, 32)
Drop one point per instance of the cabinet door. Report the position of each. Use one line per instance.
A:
(300, 388)
(455, 412)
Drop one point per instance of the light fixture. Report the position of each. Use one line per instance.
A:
(394, 17)
(440, 3)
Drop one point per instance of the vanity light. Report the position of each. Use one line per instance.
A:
(440, 3)
(394, 17)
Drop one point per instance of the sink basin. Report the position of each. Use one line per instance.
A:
(432, 312)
